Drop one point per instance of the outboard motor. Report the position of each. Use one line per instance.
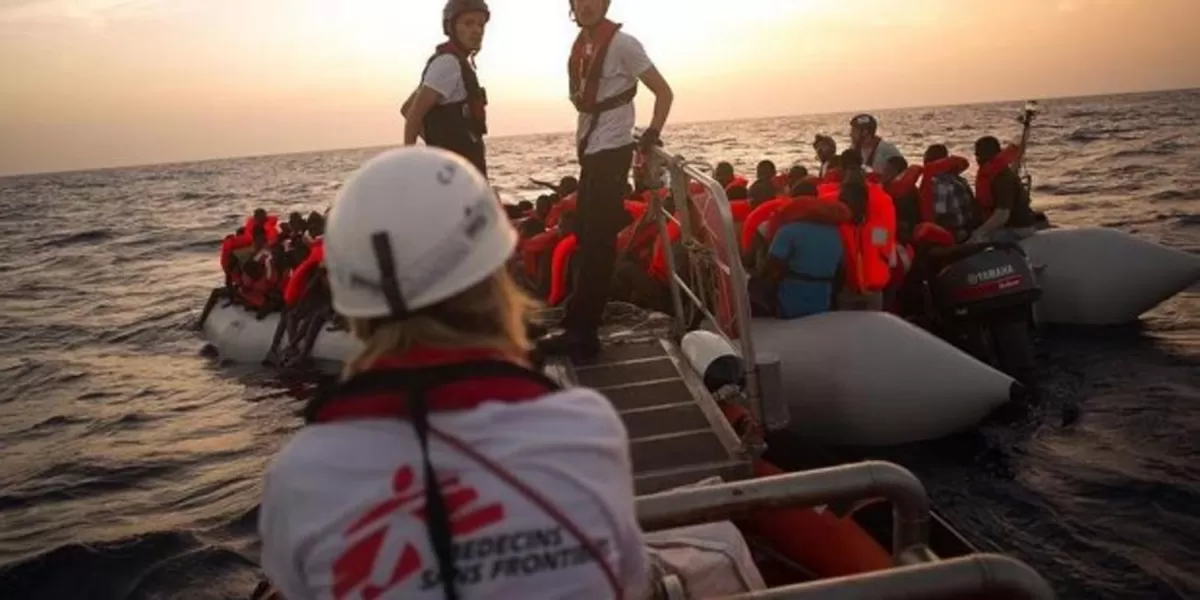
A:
(984, 297)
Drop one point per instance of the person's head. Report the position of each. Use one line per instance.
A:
(543, 205)
(850, 160)
(567, 185)
(893, 168)
(765, 170)
(315, 224)
(525, 207)
(862, 128)
(589, 13)
(285, 230)
(825, 147)
(723, 173)
(464, 21)
(986, 148)
(936, 152)
(761, 191)
(738, 192)
(296, 221)
(260, 215)
(416, 248)
(796, 174)
(803, 188)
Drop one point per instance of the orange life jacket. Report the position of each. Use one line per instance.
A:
(566, 205)
(271, 226)
(932, 234)
(293, 290)
(870, 246)
(905, 183)
(756, 218)
(780, 181)
(942, 166)
(531, 249)
(255, 291)
(807, 208)
(987, 173)
(833, 176)
(740, 210)
(736, 181)
(658, 261)
(559, 262)
(229, 244)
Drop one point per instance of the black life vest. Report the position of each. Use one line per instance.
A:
(459, 126)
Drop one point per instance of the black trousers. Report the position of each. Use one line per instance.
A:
(599, 217)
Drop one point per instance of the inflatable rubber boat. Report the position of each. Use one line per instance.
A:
(239, 336)
(863, 378)
(1101, 276)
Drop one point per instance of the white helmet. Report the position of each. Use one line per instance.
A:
(411, 228)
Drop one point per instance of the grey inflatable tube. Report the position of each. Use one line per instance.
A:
(1101, 276)
(239, 337)
(873, 379)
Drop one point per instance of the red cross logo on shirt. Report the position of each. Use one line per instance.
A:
(374, 552)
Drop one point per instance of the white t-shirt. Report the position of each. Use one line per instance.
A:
(884, 151)
(320, 540)
(444, 76)
(625, 62)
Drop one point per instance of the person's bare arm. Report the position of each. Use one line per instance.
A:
(664, 97)
(423, 100)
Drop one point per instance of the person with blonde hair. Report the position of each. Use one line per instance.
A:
(443, 465)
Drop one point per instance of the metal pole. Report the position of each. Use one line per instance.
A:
(870, 479)
(980, 574)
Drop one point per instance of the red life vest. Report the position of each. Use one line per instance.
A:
(869, 247)
(780, 181)
(256, 291)
(270, 226)
(987, 173)
(658, 260)
(807, 208)
(586, 65)
(761, 214)
(740, 210)
(932, 170)
(560, 208)
(294, 290)
(833, 176)
(932, 234)
(533, 248)
(905, 183)
(737, 180)
(559, 263)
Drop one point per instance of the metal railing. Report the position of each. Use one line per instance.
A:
(726, 239)
(860, 481)
(918, 573)
(992, 575)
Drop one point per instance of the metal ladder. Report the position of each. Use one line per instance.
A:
(677, 432)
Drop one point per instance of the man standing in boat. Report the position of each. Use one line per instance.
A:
(604, 69)
(449, 108)
(876, 151)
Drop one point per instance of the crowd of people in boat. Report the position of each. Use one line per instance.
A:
(842, 236)
(272, 265)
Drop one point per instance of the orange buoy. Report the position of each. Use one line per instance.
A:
(757, 217)
(820, 541)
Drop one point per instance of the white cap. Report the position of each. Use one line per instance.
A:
(418, 224)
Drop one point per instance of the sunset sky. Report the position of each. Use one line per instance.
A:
(93, 83)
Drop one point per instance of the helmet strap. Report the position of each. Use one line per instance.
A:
(389, 284)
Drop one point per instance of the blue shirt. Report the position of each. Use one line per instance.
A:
(808, 249)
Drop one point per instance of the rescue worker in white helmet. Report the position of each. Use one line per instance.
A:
(449, 108)
(443, 461)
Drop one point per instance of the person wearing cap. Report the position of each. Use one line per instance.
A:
(826, 150)
(449, 108)
(876, 152)
(604, 69)
(442, 463)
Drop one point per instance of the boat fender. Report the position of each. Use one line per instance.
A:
(714, 359)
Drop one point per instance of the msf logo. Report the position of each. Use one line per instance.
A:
(378, 557)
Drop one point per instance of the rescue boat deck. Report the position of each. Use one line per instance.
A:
(677, 432)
